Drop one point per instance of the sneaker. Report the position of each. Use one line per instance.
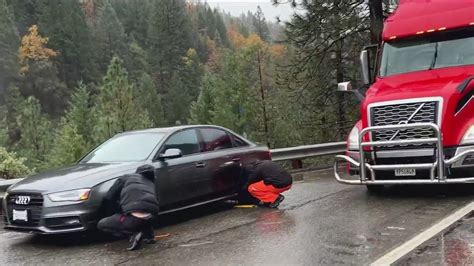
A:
(149, 241)
(135, 241)
(277, 202)
(149, 235)
(263, 204)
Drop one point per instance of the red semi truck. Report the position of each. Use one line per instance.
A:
(417, 116)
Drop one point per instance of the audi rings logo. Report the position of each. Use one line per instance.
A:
(23, 200)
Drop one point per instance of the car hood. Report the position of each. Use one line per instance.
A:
(73, 177)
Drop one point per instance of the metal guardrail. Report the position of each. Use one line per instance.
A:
(295, 154)
(306, 151)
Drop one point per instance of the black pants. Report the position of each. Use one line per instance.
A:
(122, 225)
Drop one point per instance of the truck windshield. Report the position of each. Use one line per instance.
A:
(445, 49)
(133, 147)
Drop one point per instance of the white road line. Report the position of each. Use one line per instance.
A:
(405, 248)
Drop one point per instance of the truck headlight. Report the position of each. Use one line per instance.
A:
(468, 136)
(71, 195)
(353, 139)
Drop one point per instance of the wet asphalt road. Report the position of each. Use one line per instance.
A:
(320, 222)
(455, 246)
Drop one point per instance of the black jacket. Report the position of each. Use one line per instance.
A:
(271, 173)
(134, 192)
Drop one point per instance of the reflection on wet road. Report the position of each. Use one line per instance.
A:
(453, 247)
(320, 222)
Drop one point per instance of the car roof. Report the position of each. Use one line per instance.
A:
(168, 130)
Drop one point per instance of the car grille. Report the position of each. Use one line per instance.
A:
(418, 112)
(34, 207)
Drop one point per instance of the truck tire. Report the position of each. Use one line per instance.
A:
(375, 189)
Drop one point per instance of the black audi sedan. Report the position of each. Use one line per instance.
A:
(194, 165)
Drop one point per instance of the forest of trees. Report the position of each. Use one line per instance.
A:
(74, 73)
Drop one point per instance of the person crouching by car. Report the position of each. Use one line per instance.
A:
(266, 181)
(138, 207)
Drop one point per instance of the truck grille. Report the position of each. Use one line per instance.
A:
(34, 207)
(418, 112)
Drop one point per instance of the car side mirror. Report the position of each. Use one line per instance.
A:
(347, 87)
(171, 154)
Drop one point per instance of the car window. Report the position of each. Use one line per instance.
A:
(125, 148)
(187, 141)
(215, 139)
(238, 142)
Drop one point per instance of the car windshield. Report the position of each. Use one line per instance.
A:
(437, 51)
(125, 148)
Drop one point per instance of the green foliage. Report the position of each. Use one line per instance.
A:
(69, 146)
(261, 27)
(64, 23)
(35, 128)
(118, 109)
(184, 89)
(150, 99)
(169, 37)
(81, 116)
(110, 34)
(12, 166)
(9, 43)
(42, 82)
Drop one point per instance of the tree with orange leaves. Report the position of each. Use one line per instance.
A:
(33, 48)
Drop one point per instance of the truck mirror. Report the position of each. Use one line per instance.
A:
(344, 86)
(364, 63)
(347, 87)
(368, 62)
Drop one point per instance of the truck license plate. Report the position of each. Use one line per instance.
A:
(405, 172)
(20, 215)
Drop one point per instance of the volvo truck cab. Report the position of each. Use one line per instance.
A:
(417, 116)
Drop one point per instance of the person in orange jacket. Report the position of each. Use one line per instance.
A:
(266, 181)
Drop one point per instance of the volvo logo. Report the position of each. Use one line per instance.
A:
(405, 122)
(23, 200)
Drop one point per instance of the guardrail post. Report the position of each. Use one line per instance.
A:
(297, 164)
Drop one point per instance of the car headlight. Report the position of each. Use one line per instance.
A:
(353, 139)
(468, 136)
(71, 195)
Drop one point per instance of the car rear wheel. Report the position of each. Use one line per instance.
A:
(375, 189)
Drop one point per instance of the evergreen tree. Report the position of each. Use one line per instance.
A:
(118, 109)
(221, 29)
(169, 35)
(110, 35)
(35, 127)
(149, 98)
(260, 25)
(69, 146)
(137, 62)
(202, 109)
(65, 25)
(134, 16)
(80, 116)
(25, 13)
(9, 42)
(184, 89)
(13, 104)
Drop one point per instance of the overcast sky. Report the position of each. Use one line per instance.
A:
(237, 7)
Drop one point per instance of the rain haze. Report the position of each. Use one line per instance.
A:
(235, 8)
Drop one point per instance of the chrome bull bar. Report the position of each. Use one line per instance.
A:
(437, 175)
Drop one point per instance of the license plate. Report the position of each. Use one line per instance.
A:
(20, 215)
(405, 172)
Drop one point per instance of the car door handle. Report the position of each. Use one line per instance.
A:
(200, 165)
(236, 159)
